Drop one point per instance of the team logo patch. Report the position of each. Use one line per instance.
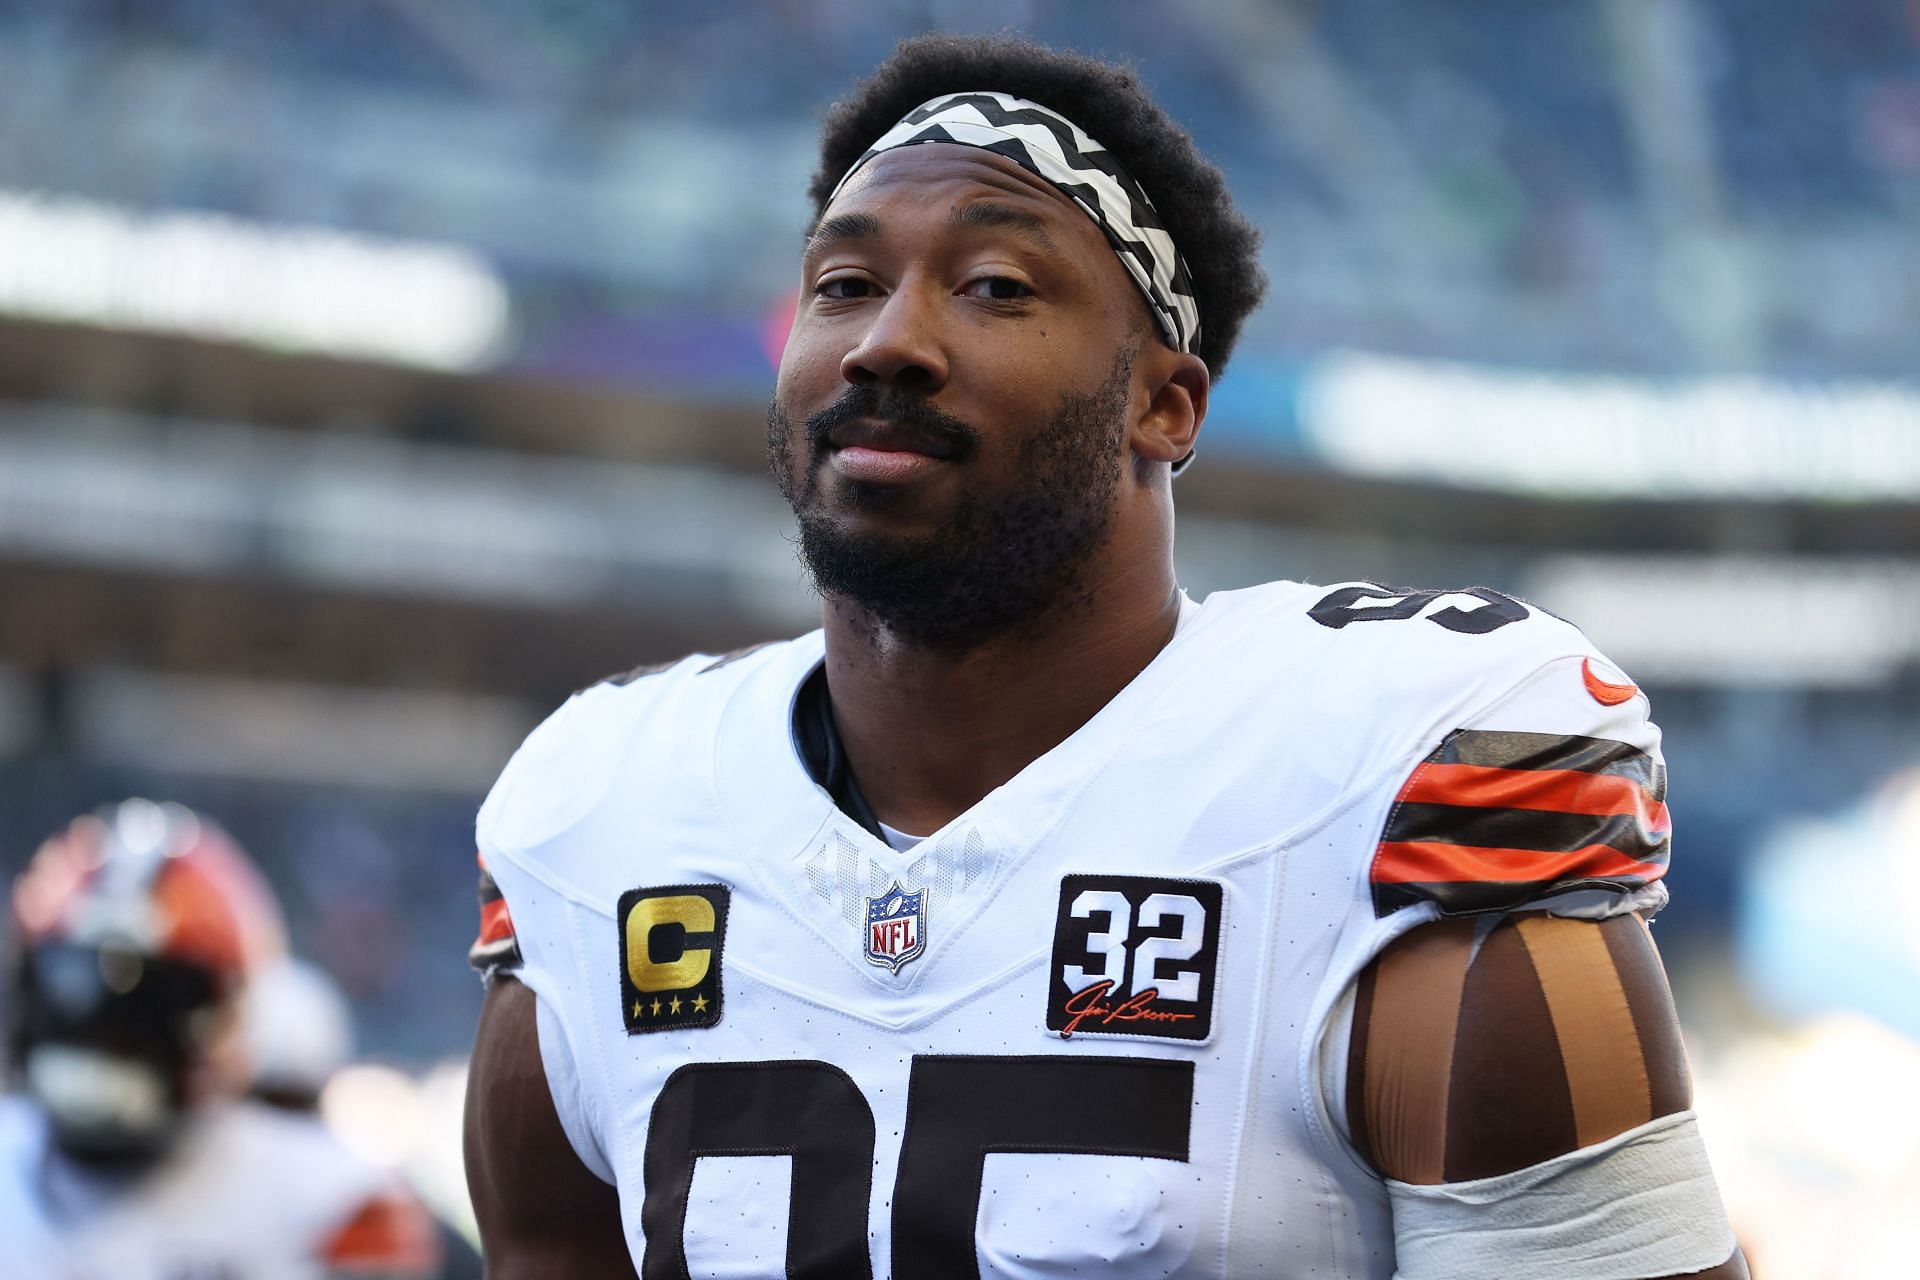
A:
(896, 927)
(670, 940)
(1134, 956)
(1606, 692)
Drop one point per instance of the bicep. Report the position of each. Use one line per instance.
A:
(1482, 1048)
(1479, 1050)
(541, 1211)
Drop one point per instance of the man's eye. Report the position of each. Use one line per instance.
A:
(998, 289)
(845, 287)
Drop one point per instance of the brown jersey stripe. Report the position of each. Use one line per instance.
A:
(1409, 1049)
(1506, 1109)
(1645, 981)
(1558, 790)
(1511, 749)
(1539, 829)
(495, 956)
(1534, 814)
(1482, 897)
(1599, 1044)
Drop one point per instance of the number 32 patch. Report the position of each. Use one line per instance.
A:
(1134, 957)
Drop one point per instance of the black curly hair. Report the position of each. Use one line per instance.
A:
(1218, 242)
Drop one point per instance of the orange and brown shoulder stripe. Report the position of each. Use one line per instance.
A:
(1492, 820)
(496, 946)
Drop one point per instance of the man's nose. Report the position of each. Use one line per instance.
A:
(904, 343)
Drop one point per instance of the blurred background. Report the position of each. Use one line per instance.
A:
(373, 373)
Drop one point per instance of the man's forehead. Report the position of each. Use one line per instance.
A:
(954, 169)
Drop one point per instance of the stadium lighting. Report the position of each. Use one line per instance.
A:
(1586, 436)
(1830, 622)
(295, 288)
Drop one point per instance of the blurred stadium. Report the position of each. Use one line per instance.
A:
(373, 373)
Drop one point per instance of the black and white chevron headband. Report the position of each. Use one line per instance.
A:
(1047, 144)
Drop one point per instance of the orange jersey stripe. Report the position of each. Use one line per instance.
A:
(1429, 862)
(1558, 790)
(495, 923)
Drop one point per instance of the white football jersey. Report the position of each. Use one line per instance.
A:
(247, 1193)
(1092, 1024)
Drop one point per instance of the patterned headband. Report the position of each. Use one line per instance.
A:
(1050, 146)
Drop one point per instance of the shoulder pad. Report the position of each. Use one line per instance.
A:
(569, 763)
(1557, 789)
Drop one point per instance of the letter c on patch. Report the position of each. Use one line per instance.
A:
(694, 914)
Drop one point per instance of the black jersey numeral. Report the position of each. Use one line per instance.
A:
(958, 1110)
(1372, 603)
(808, 1110)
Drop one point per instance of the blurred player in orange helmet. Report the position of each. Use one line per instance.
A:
(129, 1150)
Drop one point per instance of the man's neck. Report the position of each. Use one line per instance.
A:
(928, 732)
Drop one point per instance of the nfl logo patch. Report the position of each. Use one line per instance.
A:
(896, 927)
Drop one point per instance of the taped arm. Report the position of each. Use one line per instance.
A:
(541, 1211)
(1490, 1049)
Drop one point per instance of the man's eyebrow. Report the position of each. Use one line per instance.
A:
(976, 216)
(982, 214)
(842, 226)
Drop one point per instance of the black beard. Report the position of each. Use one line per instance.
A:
(1005, 558)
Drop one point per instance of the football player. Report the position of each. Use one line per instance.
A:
(1031, 918)
(128, 1151)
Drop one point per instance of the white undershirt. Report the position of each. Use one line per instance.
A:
(901, 841)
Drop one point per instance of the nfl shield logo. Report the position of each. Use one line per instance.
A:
(896, 927)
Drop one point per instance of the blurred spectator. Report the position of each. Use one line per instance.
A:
(130, 1150)
(299, 1032)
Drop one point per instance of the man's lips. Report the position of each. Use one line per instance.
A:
(872, 451)
(871, 436)
(882, 466)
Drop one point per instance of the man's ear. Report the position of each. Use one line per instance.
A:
(1177, 386)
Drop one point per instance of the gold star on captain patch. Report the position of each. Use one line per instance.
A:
(699, 1003)
(636, 1008)
(674, 1007)
(656, 1008)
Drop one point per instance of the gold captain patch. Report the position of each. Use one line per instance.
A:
(670, 940)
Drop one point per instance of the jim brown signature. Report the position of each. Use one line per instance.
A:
(1092, 1003)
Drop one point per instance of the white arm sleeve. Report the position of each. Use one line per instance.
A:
(1636, 1206)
